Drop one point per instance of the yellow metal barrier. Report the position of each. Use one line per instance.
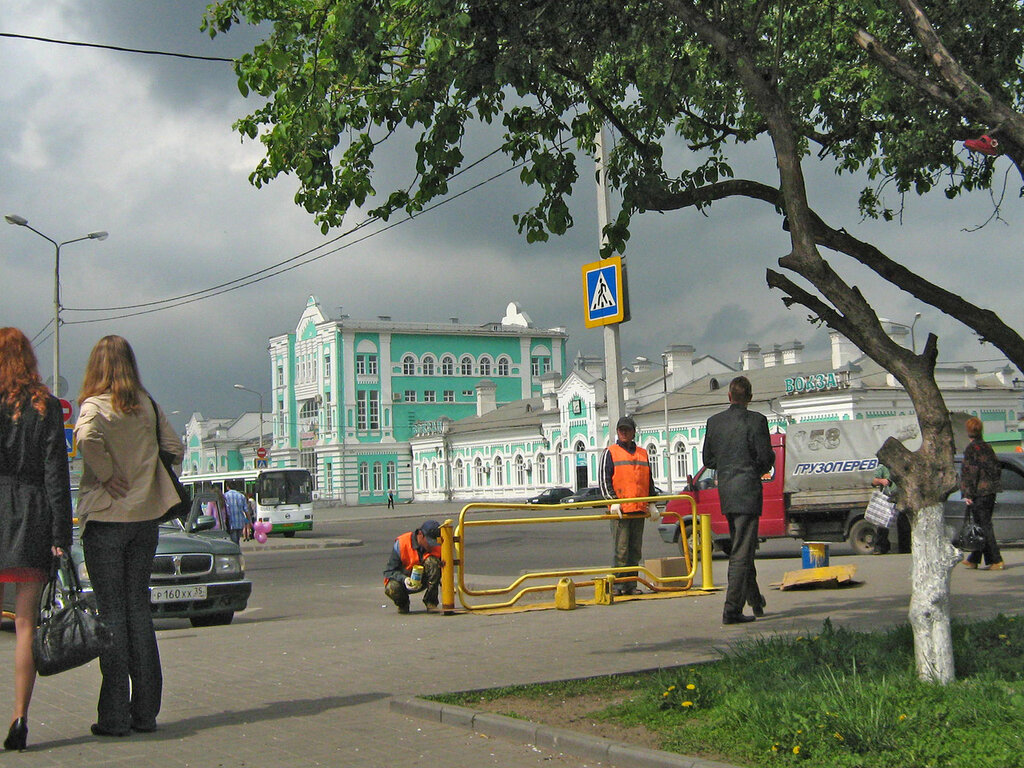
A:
(453, 554)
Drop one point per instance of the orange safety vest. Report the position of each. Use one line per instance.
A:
(410, 555)
(631, 476)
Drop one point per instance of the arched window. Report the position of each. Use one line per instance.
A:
(540, 469)
(408, 365)
(503, 366)
(485, 366)
(433, 475)
(466, 366)
(364, 478)
(499, 471)
(447, 365)
(392, 476)
(652, 454)
(520, 471)
(459, 478)
(680, 456)
(426, 477)
(428, 366)
(378, 476)
(478, 472)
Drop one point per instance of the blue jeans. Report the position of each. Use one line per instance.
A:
(119, 557)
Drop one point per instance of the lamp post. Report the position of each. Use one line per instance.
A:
(21, 221)
(668, 442)
(260, 396)
(913, 343)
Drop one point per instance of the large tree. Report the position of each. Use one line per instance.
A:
(874, 86)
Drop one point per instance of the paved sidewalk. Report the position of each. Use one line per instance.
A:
(318, 692)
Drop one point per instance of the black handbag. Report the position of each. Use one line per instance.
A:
(71, 632)
(971, 536)
(180, 510)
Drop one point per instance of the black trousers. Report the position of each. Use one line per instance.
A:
(982, 509)
(742, 589)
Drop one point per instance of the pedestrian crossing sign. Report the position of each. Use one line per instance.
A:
(604, 300)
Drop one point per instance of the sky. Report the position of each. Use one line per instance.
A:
(142, 146)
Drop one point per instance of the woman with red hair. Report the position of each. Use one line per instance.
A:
(35, 504)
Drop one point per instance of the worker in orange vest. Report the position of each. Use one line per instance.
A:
(625, 473)
(419, 550)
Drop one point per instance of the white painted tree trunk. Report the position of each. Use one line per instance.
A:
(933, 561)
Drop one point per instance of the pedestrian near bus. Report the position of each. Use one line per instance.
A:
(124, 491)
(236, 512)
(422, 548)
(979, 483)
(35, 505)
(738, 446)
(625, 473)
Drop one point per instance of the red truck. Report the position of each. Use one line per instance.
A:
(817, 491)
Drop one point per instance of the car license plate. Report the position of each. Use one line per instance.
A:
(177, 594)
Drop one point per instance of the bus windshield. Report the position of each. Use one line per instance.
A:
(285, 487)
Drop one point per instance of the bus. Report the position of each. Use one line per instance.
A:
(284, 497)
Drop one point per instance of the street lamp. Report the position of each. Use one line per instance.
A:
(668, 442)
(260, 396)
(913, 344)
(21, 221)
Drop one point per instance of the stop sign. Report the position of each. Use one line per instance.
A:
(261, 452)
(65, 407)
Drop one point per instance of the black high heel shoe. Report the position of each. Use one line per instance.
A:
(17, 737)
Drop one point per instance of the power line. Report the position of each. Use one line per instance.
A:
(115, 48)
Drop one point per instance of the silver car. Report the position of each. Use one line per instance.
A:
(1008, 515)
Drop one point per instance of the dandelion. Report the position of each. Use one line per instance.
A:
(775, 747)
(796, 750)
(664, 694)
(901, 718)
(687, 704)
(801, 637)
(839, 736)
(1002, 637)
(691, 687)
(671, 687)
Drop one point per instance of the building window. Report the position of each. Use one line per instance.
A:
(392, 476)
(327, 366)
(378, 477)
(309, 415)
(520, 471)
(466, 366)
(540, 470)
(307, 460)
(374, 415)
(430, 396)
(428, 366)
(478, 472)
(362, 396)
(364, 478)
(371, 365)
(503, 366)
(447, 366)
(459, 479)
(410, 395)
(280, 375)
(485, 366)
(328, 412)
(408, 365)
(535, 366)
(425, 474)
(449, 395)
(434, 478)
(652, 455)
(680, 452)
(499, 471)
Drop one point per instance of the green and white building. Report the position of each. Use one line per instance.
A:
(349, 395)
(508, 452)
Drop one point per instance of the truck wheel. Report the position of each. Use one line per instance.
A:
(862, 537)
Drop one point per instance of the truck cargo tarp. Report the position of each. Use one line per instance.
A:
(828, 455)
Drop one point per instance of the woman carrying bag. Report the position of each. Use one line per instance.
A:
(35, 504)
(124, 491)
(980, 481)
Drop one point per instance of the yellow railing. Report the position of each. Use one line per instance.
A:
(453, 554)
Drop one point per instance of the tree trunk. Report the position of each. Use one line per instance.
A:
(933, 561)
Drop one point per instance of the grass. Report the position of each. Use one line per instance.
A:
(835, 699)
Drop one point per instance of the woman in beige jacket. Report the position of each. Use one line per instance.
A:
(124, 491)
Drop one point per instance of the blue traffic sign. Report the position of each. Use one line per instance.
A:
(69, 440)
(603, 300)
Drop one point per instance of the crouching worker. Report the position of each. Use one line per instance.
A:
(415, 548)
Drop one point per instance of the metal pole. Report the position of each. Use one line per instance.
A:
(668, 442)
(56, 321)
(612, 347)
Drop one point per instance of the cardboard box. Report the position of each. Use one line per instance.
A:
(662, 567)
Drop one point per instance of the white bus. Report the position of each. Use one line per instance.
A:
(284, 497)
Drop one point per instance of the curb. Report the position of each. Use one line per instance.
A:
(252, 549)
(582, 745)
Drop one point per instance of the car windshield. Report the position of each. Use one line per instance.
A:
(285, 488)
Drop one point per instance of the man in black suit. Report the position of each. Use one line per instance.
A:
(738, 447)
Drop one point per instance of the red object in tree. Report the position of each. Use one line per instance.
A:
(984, 144)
